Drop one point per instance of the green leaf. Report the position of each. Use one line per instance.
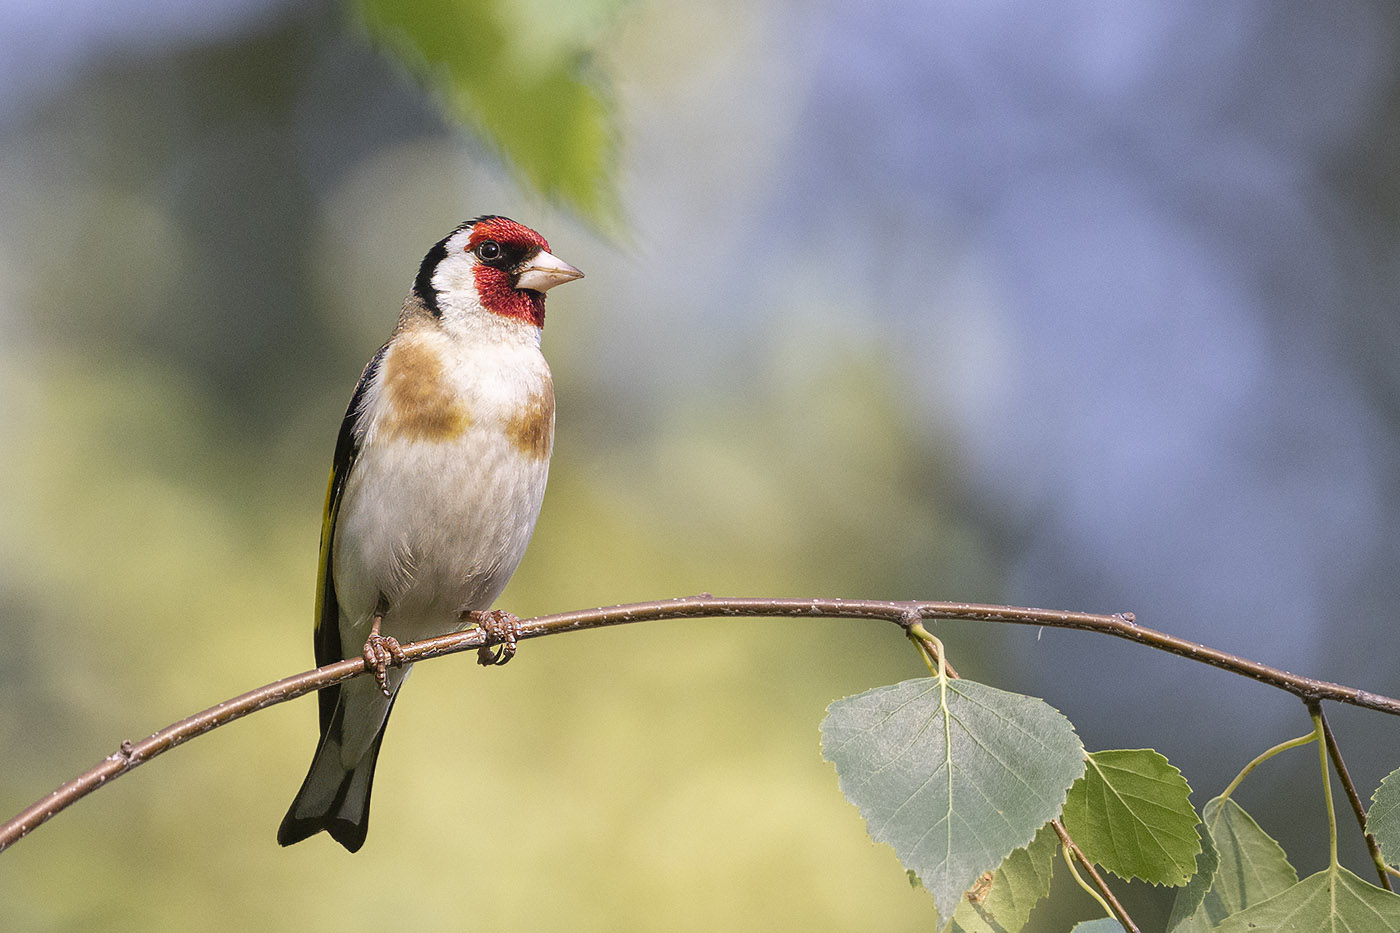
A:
(1101, 925)
(1253, 867)
(1188, 899)
(1131, 813)
(1334, 899)
(1383, 819)
(954, 774)
(521, 75)
(1005, 900)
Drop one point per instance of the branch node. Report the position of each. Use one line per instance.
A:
(1127, 618)
(910, 617)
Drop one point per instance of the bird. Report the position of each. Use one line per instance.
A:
(437, 481)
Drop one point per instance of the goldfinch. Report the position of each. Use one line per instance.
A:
(439, 472)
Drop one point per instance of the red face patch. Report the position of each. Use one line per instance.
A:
(497, 286)
(499, 294)
(505, 230)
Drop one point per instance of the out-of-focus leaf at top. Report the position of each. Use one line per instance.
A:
(520, 74)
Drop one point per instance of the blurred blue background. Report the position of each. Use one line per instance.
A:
(1076, 305)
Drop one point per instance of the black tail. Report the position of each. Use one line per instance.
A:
(334, 798)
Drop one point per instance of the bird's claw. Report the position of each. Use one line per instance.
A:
(380, 652)
(501, 629)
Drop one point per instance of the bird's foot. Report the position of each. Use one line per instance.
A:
(380, 652)
(502, 629)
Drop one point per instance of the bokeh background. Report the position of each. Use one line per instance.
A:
(1078, 304)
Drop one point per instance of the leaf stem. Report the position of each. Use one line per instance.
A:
(1088, 889)
(1265, 756)
(920, 637)
(1315, 710)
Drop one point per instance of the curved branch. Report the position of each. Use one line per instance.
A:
(904, 614)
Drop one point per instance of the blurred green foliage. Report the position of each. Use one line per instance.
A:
(521, 74)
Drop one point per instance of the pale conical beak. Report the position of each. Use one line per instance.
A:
(546, 271)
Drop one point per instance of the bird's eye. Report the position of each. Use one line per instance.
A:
(488, 250)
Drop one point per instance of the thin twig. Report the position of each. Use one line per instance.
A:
(1356, 806)
(903, 614)
(1118, 911)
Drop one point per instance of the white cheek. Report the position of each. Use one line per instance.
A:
(454, 275)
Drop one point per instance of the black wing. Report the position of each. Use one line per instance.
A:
(347, 449)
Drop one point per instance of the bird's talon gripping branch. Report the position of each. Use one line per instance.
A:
(380, 652)
(502, 629)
